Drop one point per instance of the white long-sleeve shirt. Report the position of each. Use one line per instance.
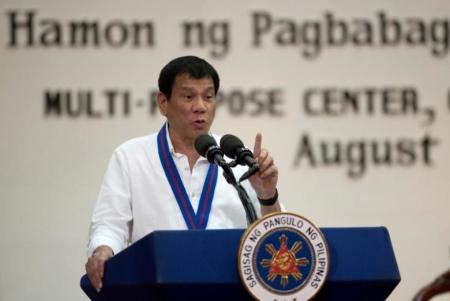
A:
(135, 197)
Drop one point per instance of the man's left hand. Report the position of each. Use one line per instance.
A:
(265, 180)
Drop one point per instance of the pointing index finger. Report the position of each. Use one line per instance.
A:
(257, 147)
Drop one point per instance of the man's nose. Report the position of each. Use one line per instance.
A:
(199, 104)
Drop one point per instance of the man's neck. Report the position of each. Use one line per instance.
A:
(184, 146)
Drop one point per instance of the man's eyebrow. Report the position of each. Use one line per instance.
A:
(191, 88)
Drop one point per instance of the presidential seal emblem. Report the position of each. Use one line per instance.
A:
(283, 256)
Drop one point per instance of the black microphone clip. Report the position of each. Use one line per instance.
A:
(214, 154)
(244, 156)
(250, 172)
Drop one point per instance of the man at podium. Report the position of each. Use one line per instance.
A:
(160, 182)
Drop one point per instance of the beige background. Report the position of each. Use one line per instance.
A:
(51, 168)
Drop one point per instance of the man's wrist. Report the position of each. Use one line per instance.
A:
(102, 249)
(269, 201)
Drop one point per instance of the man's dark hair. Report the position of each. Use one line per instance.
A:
(193, 66)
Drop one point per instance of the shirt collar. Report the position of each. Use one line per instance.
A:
(169, 142)
(172, 149)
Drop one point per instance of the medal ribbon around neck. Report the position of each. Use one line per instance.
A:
(193, 221)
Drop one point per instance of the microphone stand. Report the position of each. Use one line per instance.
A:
(243, 196)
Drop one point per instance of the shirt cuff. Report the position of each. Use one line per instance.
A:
(104, 240)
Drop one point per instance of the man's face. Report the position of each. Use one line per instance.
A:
(191, 107)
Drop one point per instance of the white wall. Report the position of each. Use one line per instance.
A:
(51, 167)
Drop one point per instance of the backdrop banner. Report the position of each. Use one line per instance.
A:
(352, 99)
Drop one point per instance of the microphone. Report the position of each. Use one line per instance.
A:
(207, 147)
(233, 147)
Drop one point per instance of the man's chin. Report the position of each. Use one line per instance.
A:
(199, 132)
(202, 128)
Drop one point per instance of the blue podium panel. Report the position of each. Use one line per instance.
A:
(175, 265)
(362, 265)
(202, 265)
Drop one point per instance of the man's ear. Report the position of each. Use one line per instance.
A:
(162, 100)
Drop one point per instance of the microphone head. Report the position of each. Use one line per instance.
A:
(203, 143)
(230, 144)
